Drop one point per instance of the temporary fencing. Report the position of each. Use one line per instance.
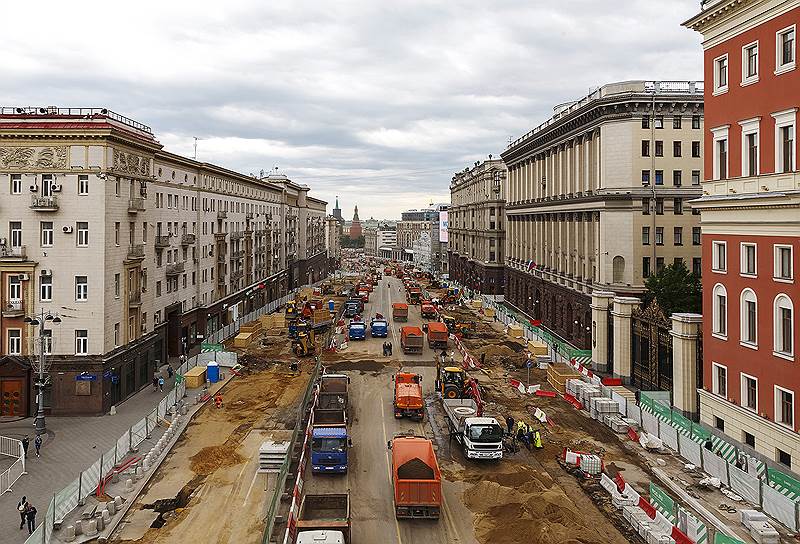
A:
(11, 447)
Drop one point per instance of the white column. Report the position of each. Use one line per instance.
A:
(623, 308)
(685, 330)
(601, 302)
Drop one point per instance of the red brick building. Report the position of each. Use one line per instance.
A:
(751, 224)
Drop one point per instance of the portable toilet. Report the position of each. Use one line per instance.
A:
(331, 306)
(212, 372)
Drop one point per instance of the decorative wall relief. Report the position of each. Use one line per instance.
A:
(128, 163)
(31, 157)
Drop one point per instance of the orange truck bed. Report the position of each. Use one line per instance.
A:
(416, 478)
(400, 311)
(408, 395)
(411, 339)
(438, 335)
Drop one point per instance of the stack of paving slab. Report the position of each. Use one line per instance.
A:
(602, 408)
(649, 529)
(757, 524)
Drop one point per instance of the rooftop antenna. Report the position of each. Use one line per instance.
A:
(195, 147)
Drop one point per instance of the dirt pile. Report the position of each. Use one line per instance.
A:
(213, 458)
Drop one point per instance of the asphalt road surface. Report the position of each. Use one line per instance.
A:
(373, 425)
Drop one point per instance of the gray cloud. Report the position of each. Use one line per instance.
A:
(377, 102)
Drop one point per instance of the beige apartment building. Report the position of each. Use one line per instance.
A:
(477, 226)
(371, 241)
(598, 199)
(141, 252)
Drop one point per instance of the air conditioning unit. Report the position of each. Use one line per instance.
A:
(34, 188)
(56, 187)
(3, 241)
(23, 277)
(67, 229)
(46, 272)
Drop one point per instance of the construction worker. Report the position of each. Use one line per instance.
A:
(510, 424)
(218, 400)
(535, 438)
(523, 437)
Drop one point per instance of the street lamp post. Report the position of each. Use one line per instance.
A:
(42, 365)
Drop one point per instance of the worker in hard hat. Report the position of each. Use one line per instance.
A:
(218, 400)
(536, 439)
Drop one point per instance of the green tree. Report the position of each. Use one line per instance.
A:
(347, 242)
(676, 289)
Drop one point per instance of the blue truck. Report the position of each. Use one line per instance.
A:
(353, 307)
(357, 330)
(329, 442)
(379, 328)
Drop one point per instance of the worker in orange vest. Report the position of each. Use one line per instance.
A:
(218, 400)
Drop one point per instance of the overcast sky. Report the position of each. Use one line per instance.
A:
(379, 102)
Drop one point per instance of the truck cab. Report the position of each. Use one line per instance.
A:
(378, 328)
(480, 437)
(320, 537)
(357, 330)
(329, 449)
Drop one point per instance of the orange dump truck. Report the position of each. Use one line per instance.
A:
(408, 395)
(438, 335)
(400, 311)
(427, 309)
(411, 339)
(416, 478)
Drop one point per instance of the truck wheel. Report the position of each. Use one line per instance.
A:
(450, 392)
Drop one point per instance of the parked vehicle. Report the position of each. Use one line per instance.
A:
(324, 519)
(352, 307)
(428, 310)
(400, 311)
(479, 437)
(416, 478)
(438, 335)
(357, 330)
(379, 328)
(329, 443)
(333, 391)
(411, 340)
(414, 295)
(407, 399)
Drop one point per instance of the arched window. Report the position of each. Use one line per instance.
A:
(618, 265)
(748, 317)
(720, 310)
(783, 325)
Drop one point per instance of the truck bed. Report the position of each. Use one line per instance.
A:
(333, 416)
(325, 512)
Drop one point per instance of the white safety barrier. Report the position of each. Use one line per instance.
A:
(779, 506)
(11, 447)
(745, 485)
(715, 466)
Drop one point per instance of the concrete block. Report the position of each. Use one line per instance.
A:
(79, 527)
(129, 485)
(90, 528)
(111, 507)
(69, 533)
(118, 500)
(106, 515)
(100, 522)
(138, 474)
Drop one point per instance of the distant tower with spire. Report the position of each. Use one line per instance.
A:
(355, 226)
(337, 212)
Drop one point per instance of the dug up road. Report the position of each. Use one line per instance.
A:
(210, 491)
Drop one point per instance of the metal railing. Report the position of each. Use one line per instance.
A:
(15, 252)
(187, 239)
(14, 307)
(82, 112)
(162, 241)
(135, 251)
(44, 203)
(176, 268)
(12, 448)
(135, 205)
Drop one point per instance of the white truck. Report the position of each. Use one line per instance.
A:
(480, 437)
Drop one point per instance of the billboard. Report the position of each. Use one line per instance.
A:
(443, 227)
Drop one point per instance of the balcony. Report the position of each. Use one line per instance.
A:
(44, 203)
(176, 268)
(220, 236)
(248, 215)
(187, 239)
(13, 253)
(220, 281)
(236, 276)
(236, 255)
(135, 205)
(135, 252)
(135, 298)
(221, 258)
(162, 241)
(222, 214)
(14, 308)
(238, 235)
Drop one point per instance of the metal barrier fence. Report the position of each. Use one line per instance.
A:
(12, 448)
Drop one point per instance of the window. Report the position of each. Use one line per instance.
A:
(659, 206)
(719, 423)
(695, 177)
(719, 257)
(645, 206)
(748, 259)
(659, 177)
(749, 439)
(783, 325)
(677, 176)
(659, 264)
(695, 236)
(46, 288)
(784, 140)
(116, 188)
(676, 122)
(659, 122)
(677, 261)
(116, 233)
(83, 234)
(720, 310)
(645, 177)
(721, 74)
(158, 288)
(695, 149)
(677, 235)
(116, 285)
(83, 184)
(720, 380)
(784, 269)
(14, 341)
(659, 236)
(646, 236)
(697, 266)
(784, 50)
(14, 288)
(676, 149)
(645, 148)
(748, 317)
(784, 406)
(46, 230)
(749, 64)
(720, 162)
(645, 267)
(15, 229)
(16, 184)
(81, 342)
(81, 288)
(47, 339)
(645, 122)
(659, 148)
(677, 206)
(749, 398)
(695, 121)
(784, 458)
(116, 334)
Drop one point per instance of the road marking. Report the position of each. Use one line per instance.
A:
(389, 469)
(250, 489)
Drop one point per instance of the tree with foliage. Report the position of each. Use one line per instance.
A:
(347, 242)
(676, 289)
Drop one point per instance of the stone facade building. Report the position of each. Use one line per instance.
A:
(355, 226)
(371, 242)
(140, 251)
(477, 226)
(598, 198)
(333, 238)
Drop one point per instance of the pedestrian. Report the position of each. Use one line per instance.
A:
(170, 372)
(510, 424)
(155, 384)
(25, 443)
(390, 349)
(22, 506)
(37, 443)
(30, 515)
(161, 383)
(218, 400)
(522, 436)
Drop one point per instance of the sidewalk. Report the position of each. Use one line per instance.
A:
(70, 446)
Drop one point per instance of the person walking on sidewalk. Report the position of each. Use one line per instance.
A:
(155, 384)
(25, 444)
(37, 443)
(22, 506)
(161, 384)
(30, 515)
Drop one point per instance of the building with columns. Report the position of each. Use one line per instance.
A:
(141, 252)
(412, 224)
(598, 198)
(477, 226)
(751, 225)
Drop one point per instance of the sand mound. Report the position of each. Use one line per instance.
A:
(212, 458)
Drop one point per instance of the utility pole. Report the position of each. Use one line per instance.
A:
(42, 369)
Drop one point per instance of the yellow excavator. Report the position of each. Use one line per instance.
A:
(305, 342)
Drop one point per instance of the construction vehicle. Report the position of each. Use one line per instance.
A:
(427, 309)
(387, 271)
(357, 330)
(480, 437)
(291, 308)
(333, 392)
(414, 295)
(452, 295)
(416, 478)
(407, 399)
(411, 340)
(305, 341)
(378, 328)
(324, 519)
(400, 311)
(464, 328)
(353, 306)
(438, 335)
